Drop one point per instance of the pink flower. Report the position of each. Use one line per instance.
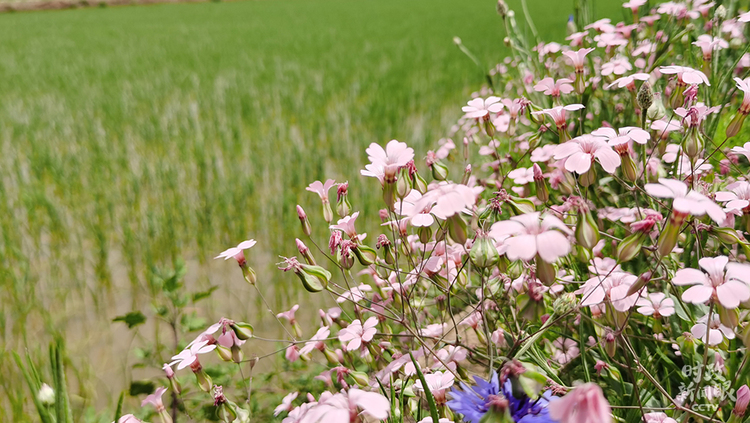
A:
(737, 198)
(634, 5)
(385, 163)
(744, 86)
(346, 225)
(554, 88)
(128, 418)
(565, 350)
(708, 44)
(602, 25)
(612, 288)
(558, 113)
(722, 282)
(238, 252)
(580, 153)
(663, 127)
(409, 207)
(355, 294)
(344, 407)
(578, 58)
(576, 39)
(292, 353)
(610, 39)
(693, 116)
(745, 17)
(522, 175)
(437, 383)
(448, 355)
(686, 201)
(686, 75)
(189, 356)
(617, 66)
(658, 417)
(529, 237)
(316, 342)
(356, 334)
(289, 315)
(155, 399)
(447, 199)
(629, 81)
(656, 304)
(480, 108)
(286, 403)
(584, 404)
(623, 135)
(744, 150)
(322, 189)
(711, 333)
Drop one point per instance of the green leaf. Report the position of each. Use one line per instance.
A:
(139, 387)
(44, 416)
(132, 319)
(426, 390)
(204, 294)
(118, 411)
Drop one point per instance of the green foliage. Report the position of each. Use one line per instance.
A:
(132, 319)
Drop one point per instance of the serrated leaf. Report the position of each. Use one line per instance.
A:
(132, 319)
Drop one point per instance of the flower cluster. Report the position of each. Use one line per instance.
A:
(591, 243)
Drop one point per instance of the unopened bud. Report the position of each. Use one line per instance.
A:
(542, 192)
(629, 248)
(743, 399)
(46, 395)
(365, 254)
(545, 272)
(439, 171)
(224, 353)
(457, 228)
(457, 41)
(721, 13)
(587, 231)
(467, 175)
(343, 206)
(306, 229)
(243, 330)
(564, 304)
(305, 252)
(692, 144)
(735, 124)
(645, 96)
(483, 252)
(502, 8)
(726, 235)
(642, 280)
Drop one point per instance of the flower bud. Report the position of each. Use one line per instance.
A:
(720, 13)
(457, 228)
(439, 171)
(249, 274)
(588, 178)
(629, 248)
(403, 185)
(668, 237)
(642, 280)
(389, 195)
(345, 258)
(657, 109)
(627, 166)
(542, 192)
(305, 252)
(545, 272)
(645, 96)
(46, 395)
(224, 353)
(360, 378)
(343, 206)
(418, 183)
(365, 254)
(204, 380)
(483, 252)
(743, 399)
(564, 304)
(587, 231)
(502, 8)
(726, 235)
(692, 144)
(467, 175)
(729, 317)
(243, 330)
(306, 229)
(425, 234)
(736, 124)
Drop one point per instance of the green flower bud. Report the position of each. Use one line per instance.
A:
(360, 378)
(389, 195)
(729, 318)
(249, 274)
(483, 252)
(419, 183)
(692, 144)
(545, 272)
(439, 171)
(224, 353)
(327, 211)
(587, 231)
(588, 178)
(365, 254)
(726, 235)
(657, 109)
(565, 303)
(668, 238)
(425, 234)
(629, 248)
(736, 124)
(457, 228)
(243, 330)
(645, 96)
(403, 185)
(204, 380)
(345, 258)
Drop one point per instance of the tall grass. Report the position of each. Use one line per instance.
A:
(132, 137)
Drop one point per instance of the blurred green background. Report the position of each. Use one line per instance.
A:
(136, 137)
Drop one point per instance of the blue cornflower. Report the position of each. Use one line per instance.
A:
(474, 402)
